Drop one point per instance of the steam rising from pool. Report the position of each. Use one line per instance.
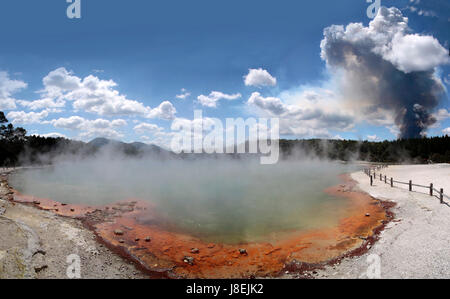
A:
(217, 200)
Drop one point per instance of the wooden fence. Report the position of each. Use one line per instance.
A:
(375, 172)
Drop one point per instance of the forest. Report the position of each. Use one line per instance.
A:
(17, 149)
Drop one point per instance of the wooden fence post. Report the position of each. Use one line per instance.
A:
(371, 180)
(381, 177)
(392, 182)
(431, 189)
(410, 185)
(442, 195)
(385, 179)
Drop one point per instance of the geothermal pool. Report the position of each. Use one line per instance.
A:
(230, 201)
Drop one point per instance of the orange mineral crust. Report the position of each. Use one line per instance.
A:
(134, 229)
(62, 209)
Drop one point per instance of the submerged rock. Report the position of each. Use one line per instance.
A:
(189, 260)
(243, 251)
(118, 232)
(147, 239)
(195, 250)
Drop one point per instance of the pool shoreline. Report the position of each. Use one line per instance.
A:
(276, 261)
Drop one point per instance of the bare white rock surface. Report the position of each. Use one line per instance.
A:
(417, 243)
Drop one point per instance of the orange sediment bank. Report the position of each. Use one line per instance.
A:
(133, 229)
(62, 209)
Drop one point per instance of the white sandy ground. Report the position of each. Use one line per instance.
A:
(36, 244)
(417, 243)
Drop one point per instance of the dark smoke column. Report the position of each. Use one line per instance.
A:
(383, 67)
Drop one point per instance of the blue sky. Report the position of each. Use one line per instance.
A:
(152, 50)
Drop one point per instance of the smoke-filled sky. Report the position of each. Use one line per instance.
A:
(132, 70)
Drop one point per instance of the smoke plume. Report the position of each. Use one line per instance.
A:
(382, 67)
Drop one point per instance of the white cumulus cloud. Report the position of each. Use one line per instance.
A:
(94, 95)
(184, 94)
(7, 88)
(46, 103)
(414, 52)
(143, 128)
(164, 111)
(90, 128)
(304, 117)
(442, 114)
(215, 96)
(259, 77)
(24, 118)
(271, 104)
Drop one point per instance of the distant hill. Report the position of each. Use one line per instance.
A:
(40, 150)
(131, 149)
(99, 142)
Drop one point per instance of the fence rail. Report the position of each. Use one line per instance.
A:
(375, 172)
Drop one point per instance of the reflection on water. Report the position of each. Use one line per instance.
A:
(228, 201)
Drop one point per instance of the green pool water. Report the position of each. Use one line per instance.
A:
(223, 201)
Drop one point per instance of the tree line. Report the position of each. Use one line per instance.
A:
(415, 150)
(16, 148)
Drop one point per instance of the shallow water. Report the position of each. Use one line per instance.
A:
(222, 201)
